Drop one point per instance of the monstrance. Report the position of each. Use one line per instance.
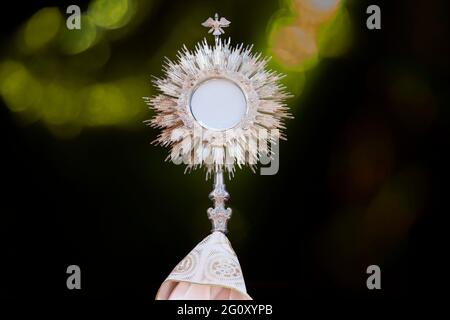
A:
(218, 108)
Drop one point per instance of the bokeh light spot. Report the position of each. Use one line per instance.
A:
(106, 105)
(315, 11)
(109, 14)
(42, 27)
(18, 87)
(58, 107)
(334, 36)
(295, 47)
(78, 40)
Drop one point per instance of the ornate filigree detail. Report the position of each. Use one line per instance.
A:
(266, 109)
(216, 264)
(219, 215)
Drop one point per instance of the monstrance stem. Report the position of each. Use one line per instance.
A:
(219, 215)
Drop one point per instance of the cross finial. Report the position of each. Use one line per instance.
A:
(216, 25)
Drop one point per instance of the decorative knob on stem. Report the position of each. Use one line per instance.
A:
(219, 215)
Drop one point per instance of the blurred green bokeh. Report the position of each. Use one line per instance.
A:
(63, 77)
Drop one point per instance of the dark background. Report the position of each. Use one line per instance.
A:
(361, 177)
